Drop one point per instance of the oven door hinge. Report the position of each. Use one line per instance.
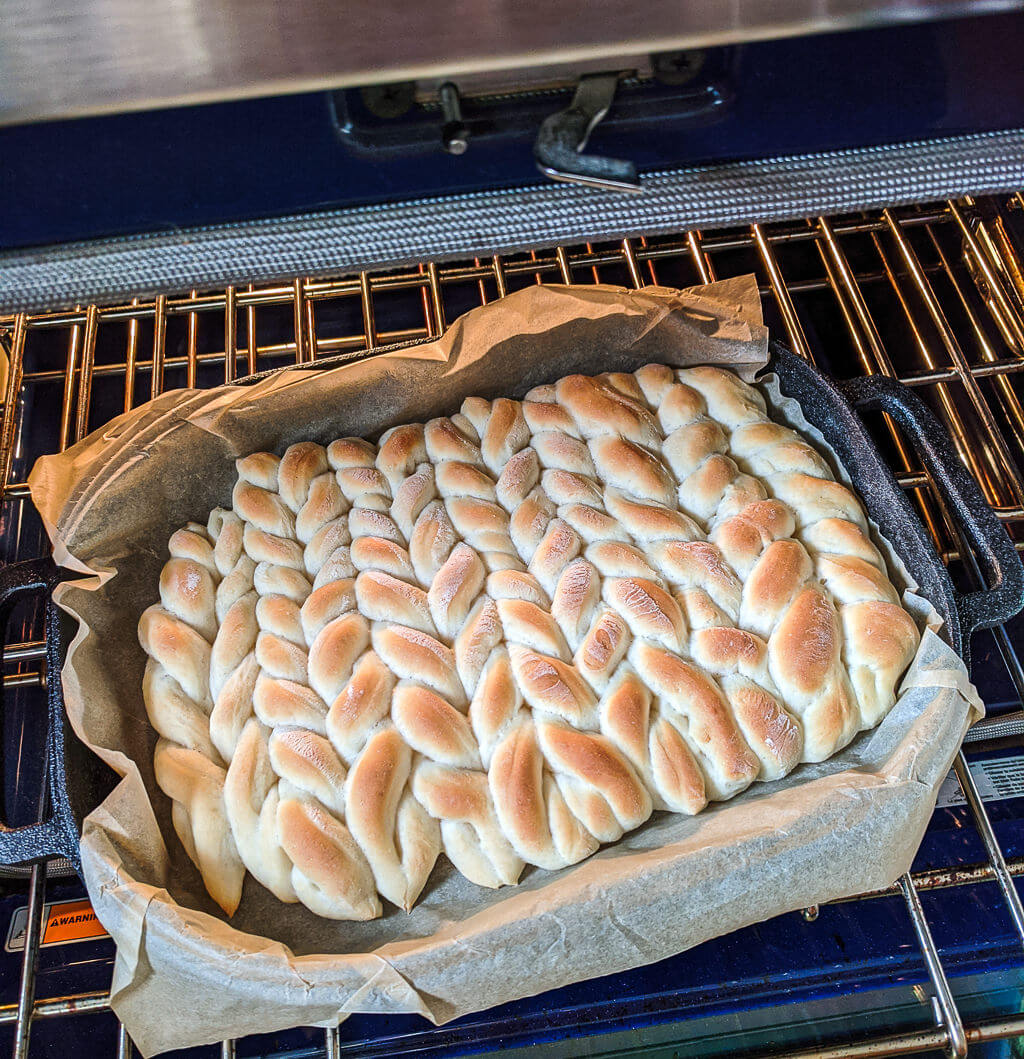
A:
(559, 149)
(501, 120)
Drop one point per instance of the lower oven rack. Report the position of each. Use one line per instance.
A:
(931, 294)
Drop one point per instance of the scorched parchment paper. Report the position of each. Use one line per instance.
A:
(185, 975)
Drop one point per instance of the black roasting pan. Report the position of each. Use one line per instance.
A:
(76, 781)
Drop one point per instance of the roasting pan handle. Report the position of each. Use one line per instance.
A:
(999, 561)
(55, 834)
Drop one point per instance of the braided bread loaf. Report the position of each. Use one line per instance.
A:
(510, 635)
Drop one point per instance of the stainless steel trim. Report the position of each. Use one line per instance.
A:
(119, 55)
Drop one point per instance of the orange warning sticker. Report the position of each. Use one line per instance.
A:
(71, 921)
(63, 922)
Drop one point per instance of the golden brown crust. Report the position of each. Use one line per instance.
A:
(622, 464)
(453, 590)
(595, 762)
(518, 478)
(331, 874)
(603, 648)
(401, 451)
(516, 782)
(728, 763)
(382, 597)
(364, 701)
(455, 478)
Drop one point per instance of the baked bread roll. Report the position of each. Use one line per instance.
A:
(509, 635)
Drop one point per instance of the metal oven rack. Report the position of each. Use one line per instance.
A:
(931, 294)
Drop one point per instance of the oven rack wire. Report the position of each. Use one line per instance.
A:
(931, 294)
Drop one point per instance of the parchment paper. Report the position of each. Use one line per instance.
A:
(185, 975)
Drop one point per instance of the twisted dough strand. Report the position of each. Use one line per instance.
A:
(285, 784)
(176, 634)
(513, 633)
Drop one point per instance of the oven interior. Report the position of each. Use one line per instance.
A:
(932, 294)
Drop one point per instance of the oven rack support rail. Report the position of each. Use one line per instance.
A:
(930, 294)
